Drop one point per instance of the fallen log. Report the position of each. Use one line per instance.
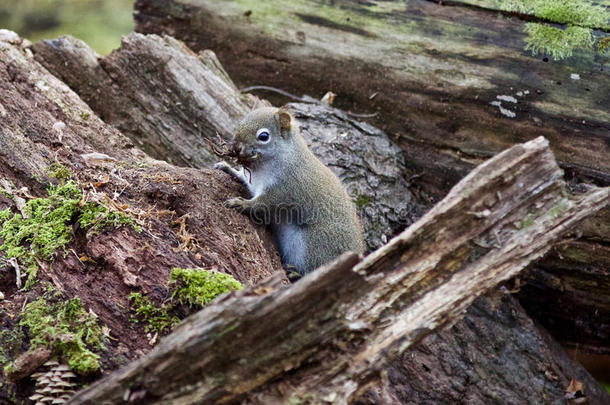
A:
(180, 211)
(429, 71)
(328, 337)
(370, 166)
(122, 88)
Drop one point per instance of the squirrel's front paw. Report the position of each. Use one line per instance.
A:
(224, 166)
(238, 203)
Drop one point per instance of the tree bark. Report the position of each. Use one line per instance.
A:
(430, 72)
(371, 167)
(104, 268)
(336, 328)
(123, 89)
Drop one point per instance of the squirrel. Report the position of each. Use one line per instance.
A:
(312, 217)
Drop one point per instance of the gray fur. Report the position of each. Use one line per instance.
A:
(309, 210)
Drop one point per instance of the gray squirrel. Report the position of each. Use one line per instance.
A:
(312, 217)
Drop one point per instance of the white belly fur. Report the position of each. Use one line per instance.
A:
(291, 241)
(257, 181)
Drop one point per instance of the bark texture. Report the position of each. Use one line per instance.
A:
(366, 160)
(335, 330)
(160, 197)
(430, 70)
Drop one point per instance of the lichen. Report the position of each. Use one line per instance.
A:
(65, 328)
(46, 225)
(157, 318)
(198, 287)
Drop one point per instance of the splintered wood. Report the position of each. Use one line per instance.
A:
(335, 329)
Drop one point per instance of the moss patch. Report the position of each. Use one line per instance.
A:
(193, 287)
(67, 329)
(197, 287)
(157, 318)
(579, 17)
(362, 201)
(10, 344)
(46, 223)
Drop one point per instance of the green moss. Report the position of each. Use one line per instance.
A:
(192, 287)
(67, 329)
(579, 17)
(97, 217)
(42, 230)
(362, 201)
(197, 287)
(527, 221)
(559, 43)
(60, 172)
(157, 319)
(84, 115)
(560, 207)
(10, 344)
(46, 225)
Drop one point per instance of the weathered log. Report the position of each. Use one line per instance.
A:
(429, 71)
(205, 102)
(370, 166)
(363, 157)
(336, 328)
(44, 122)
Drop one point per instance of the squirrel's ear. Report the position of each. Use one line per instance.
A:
(283, 118)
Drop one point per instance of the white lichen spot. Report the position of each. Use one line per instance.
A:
(504, 111)
(575, 76)
(2, 111)
(509, 99)
(58, 127)
(42, 86)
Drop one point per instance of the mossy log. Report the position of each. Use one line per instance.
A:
(430, 70)
(184, 223)
(371, 167)
(329, 337)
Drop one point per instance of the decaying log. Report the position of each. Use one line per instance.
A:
(430, 72)
(205, 102)
(370, 166)
(156, 91)
(363, 157)
(184, 223)
(330, 335)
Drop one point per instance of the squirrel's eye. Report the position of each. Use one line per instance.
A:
(262, 135)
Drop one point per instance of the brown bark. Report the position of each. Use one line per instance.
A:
(370, 165)
(336, 328)
(119, 260)
(430, 72)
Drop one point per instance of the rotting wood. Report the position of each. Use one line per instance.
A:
(336, 328)
(433, 70)
(363, 156)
